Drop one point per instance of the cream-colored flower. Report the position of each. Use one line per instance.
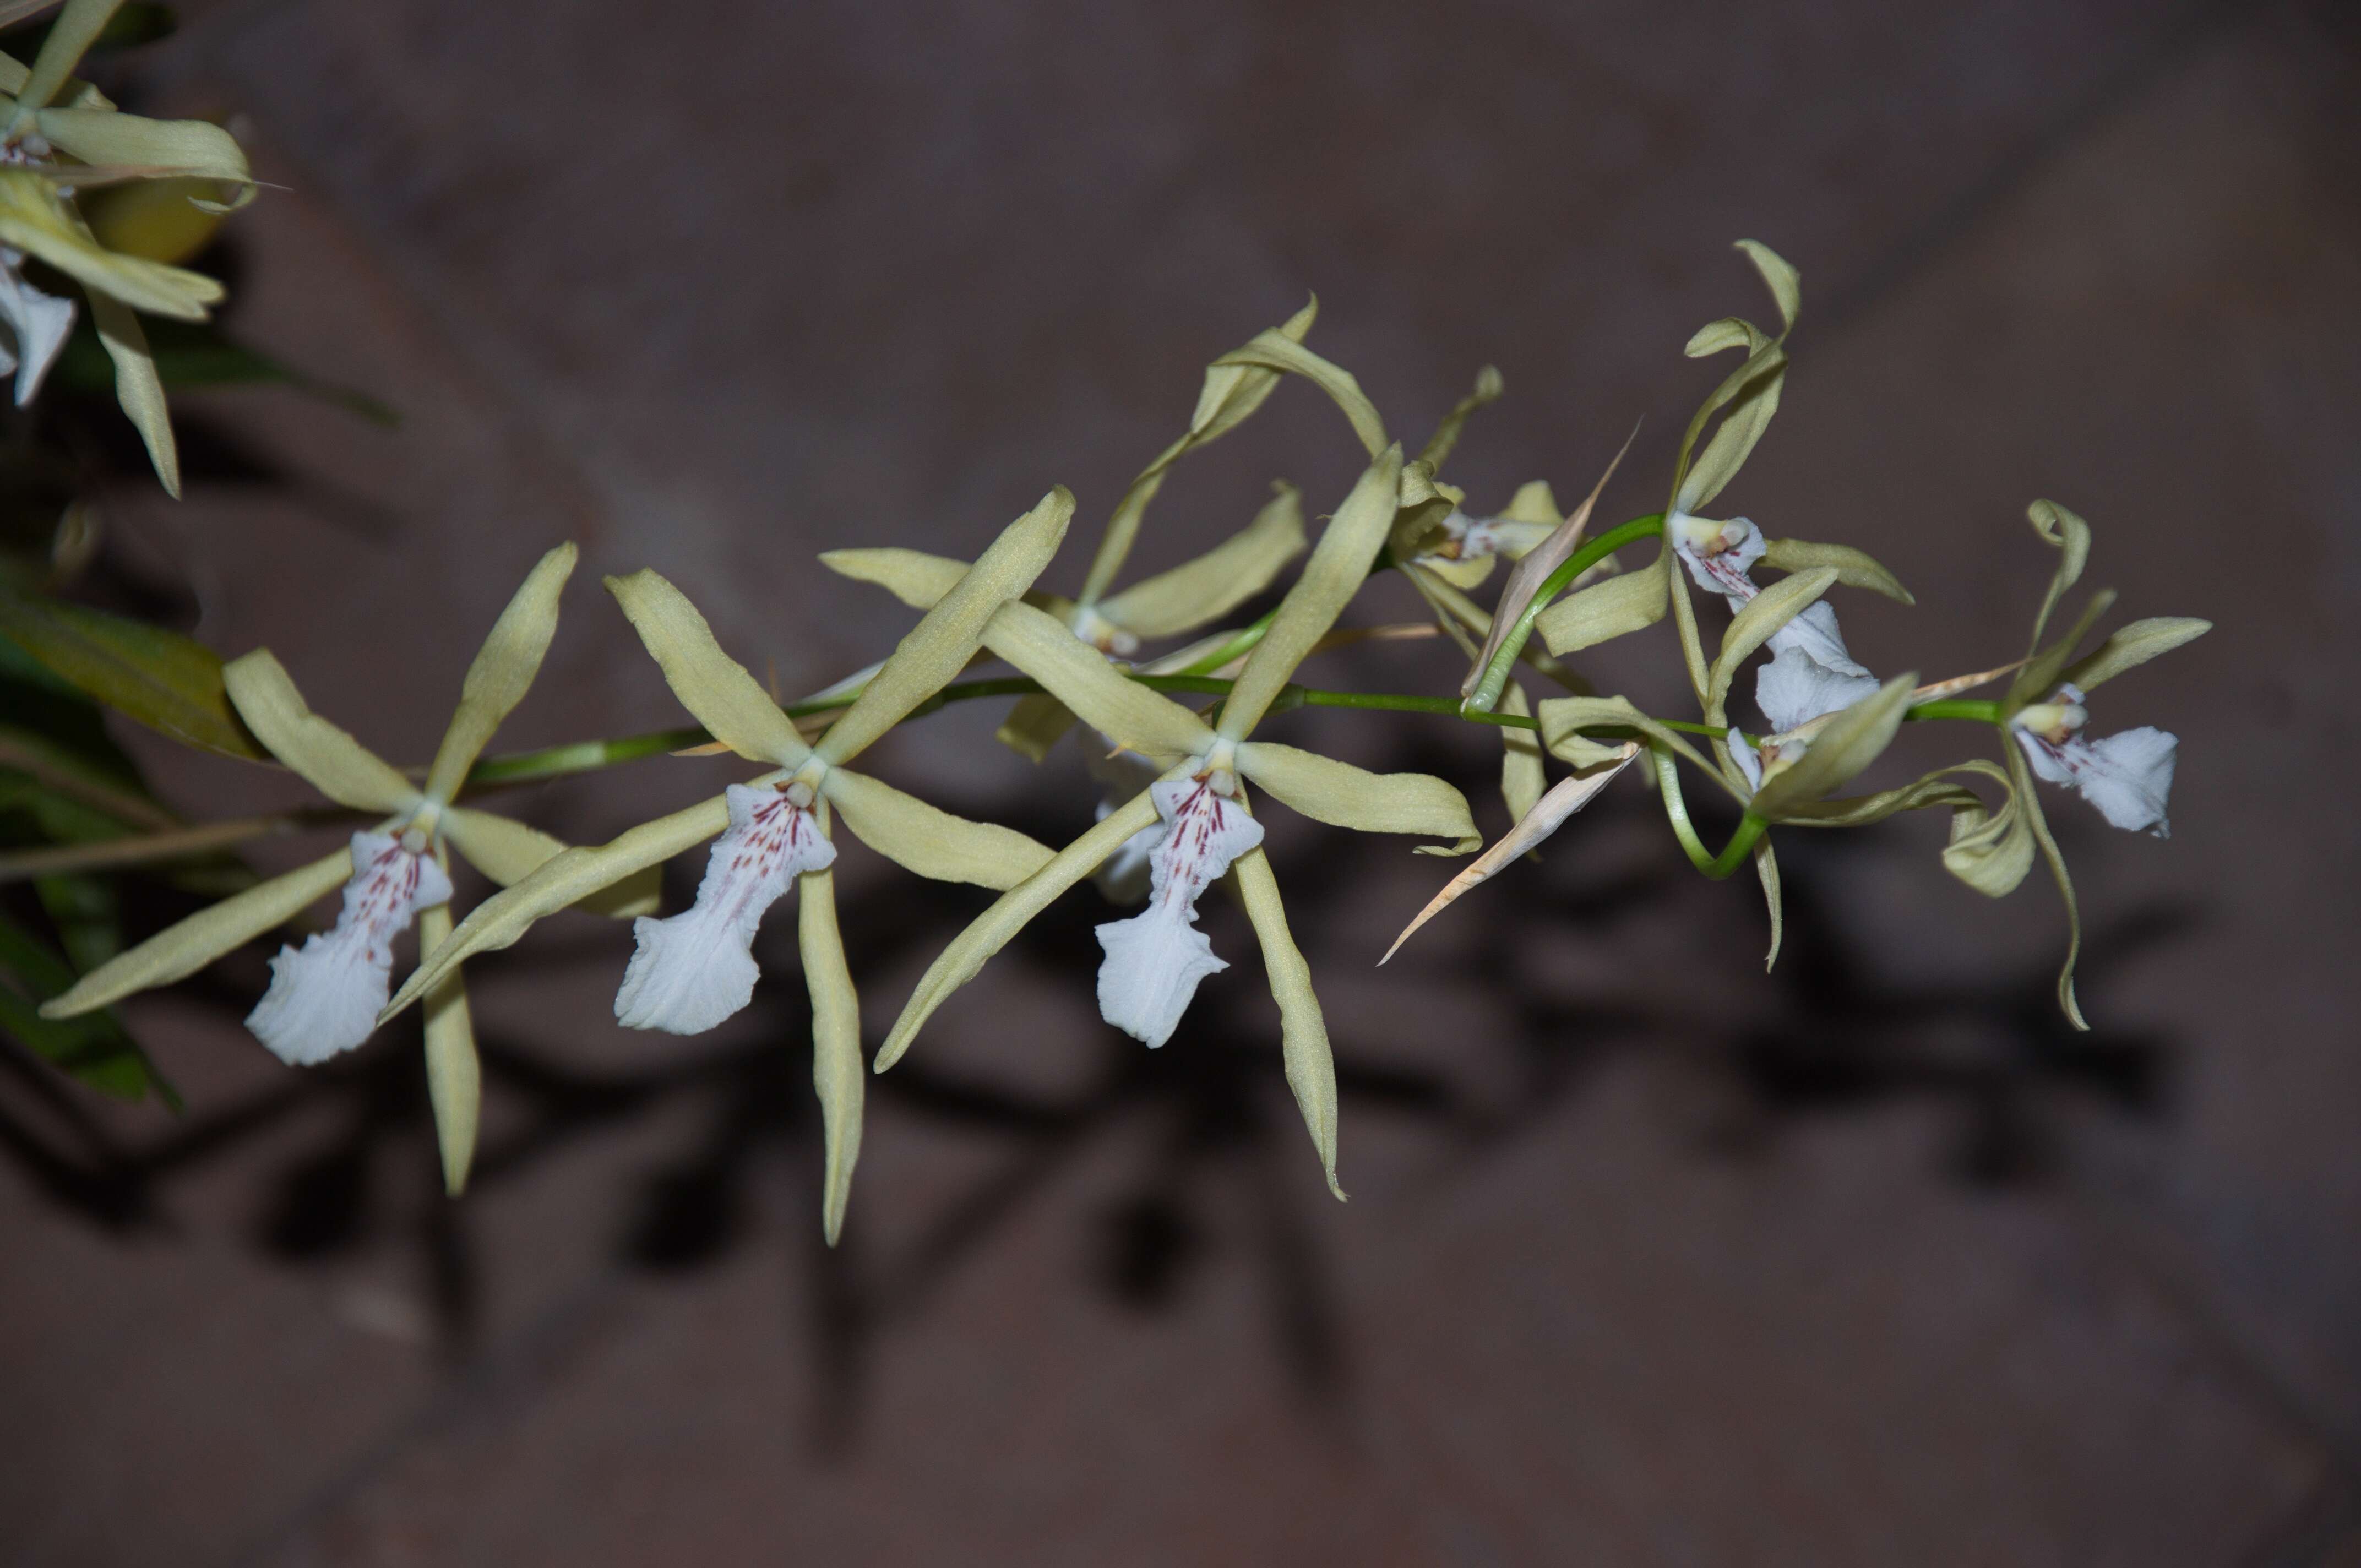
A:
(691, 972)
(325, 995)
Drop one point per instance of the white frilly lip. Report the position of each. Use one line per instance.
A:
(1480, 538)
(1155, 960)
(1810, 673)
(324, 997)
(2127, 775)
(691, 972)
(39, 324)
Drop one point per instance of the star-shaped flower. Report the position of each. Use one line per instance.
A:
(693, 970)
(1154, 962)
(324, 996)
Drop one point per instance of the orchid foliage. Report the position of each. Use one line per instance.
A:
(1177, 739)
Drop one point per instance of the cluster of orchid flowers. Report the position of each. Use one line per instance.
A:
(60, 136)
(1178, 816)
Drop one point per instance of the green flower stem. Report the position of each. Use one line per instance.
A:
(1963, 707)
(1242, 643)
(582, 756)
(1496, 674)
(1750, 828)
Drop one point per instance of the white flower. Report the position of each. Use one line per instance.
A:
(1469, 538)
(1810, 673)
(1154, 961)
(323, 999)
(2128, 775)
(695, 969)
(39, 324)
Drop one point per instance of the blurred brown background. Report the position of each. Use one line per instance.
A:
(1652, 1260)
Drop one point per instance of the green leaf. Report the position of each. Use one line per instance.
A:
(93, 1049)
(190, 355)
(169, 682)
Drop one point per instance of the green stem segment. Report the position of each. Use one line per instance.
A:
(1750, 828)
(1495, 678)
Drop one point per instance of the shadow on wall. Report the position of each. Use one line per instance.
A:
(1829, 1038)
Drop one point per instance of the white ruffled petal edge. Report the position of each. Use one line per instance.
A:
(40, 323)
(2128, 775)
(324, 997)
(696, 969)
(1155, 961)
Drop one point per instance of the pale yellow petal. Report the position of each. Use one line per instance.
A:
(1749, 394)
(1521, 775)
(1854, 568)
(997, 926)
(180, 950)
(1274, 351)
(187, 148)
(838, 1072)
(1230, 396)
(508, 852)
(1346, 797)
(1564, 720)
(76, 28)
(2031, 805)
(1852, 740)
(1606, 610)
(35, 221)
(1338, 567)
(2044, 670)
(329, 760)
(2070, 537)
(564, 880)
(1198, 591)
(1766, 872)
(1786, 287)
(455, 1078)
(717, 690)
(915, 577)
(1122, 710)
(137, 387)
(1438, 447)
(502, 672)
(1991, 852)
(939, 646)
(1303, 1032)
(927, 840)
(2128, 647)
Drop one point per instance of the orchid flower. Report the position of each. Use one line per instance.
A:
(324, 996)
(1154, 962)
(1189, 596)
(49, 148)
(2127, 776)
(695, 969)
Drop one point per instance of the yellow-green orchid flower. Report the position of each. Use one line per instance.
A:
(1188, 597)
(56, 136)
(324, 996)
(696, 969)
(1154, 961)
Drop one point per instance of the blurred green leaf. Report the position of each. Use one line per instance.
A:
(138, 22)
(94, 1047)
(190, 355)
(87, 916)
(167, 681)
